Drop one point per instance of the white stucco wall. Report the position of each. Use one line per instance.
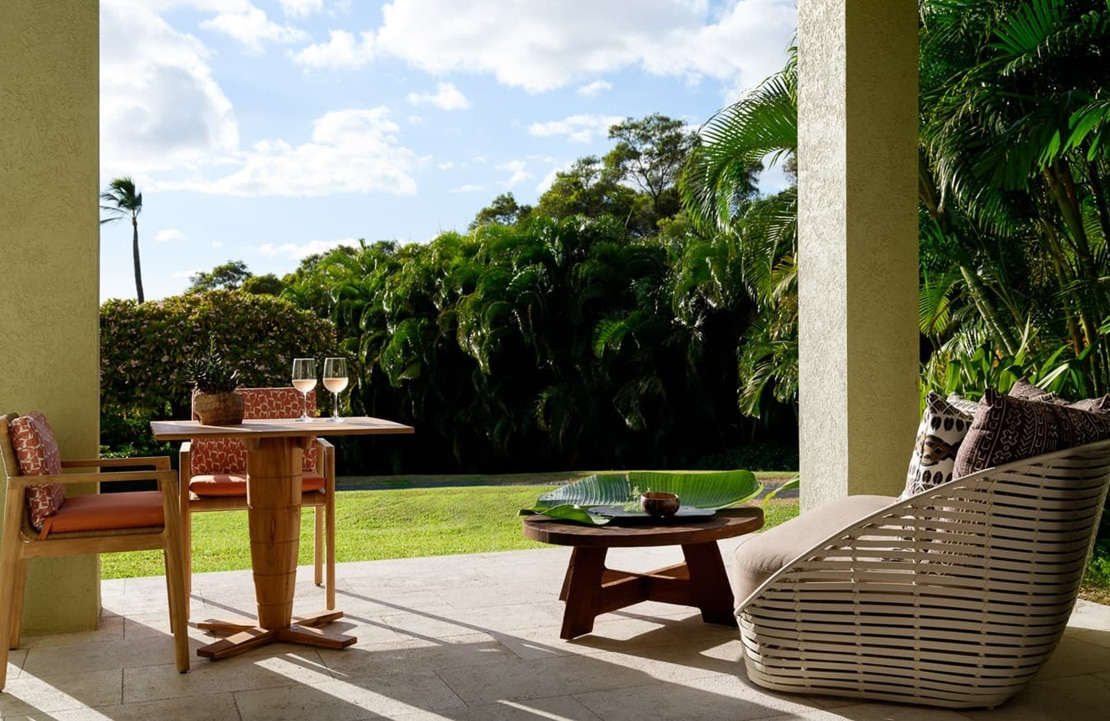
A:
(49, 258)
(857, 160)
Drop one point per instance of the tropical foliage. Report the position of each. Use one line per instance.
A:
(1014, 218)
(540, 345)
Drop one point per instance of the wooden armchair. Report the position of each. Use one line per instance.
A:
(954, 597)
(108, 523)
(214, 478)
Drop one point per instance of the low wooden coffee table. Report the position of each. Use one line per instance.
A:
(591, 589)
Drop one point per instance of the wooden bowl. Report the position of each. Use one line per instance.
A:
(659, 504)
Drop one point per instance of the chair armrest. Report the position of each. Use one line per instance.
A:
(161, 463)
(324, 448)
(325, 463)
(22, 482)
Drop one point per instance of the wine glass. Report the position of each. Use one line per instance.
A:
(304, 380)
(335, 380)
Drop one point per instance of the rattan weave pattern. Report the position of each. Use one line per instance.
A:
(955, 597)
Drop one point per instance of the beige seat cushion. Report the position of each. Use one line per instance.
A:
(761, 555)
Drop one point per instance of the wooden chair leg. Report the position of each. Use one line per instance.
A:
(9, 587)
(17, 601)
(176, 594)
(318, 550)
(329, 545)
(187, 553)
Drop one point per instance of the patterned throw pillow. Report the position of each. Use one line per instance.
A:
(1008, 428)
(942, 430)
(37, 453)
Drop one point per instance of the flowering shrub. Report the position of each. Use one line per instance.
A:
(144, 347)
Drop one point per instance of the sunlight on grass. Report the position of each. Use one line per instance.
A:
(373, 525)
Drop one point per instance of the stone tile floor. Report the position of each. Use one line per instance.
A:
(467, 638)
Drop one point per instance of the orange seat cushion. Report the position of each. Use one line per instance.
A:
(108, 512)
(225, 485)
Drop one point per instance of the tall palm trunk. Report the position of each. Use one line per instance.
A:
(135, 254)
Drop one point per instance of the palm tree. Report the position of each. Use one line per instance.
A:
(126, 201)
(757, 236)
(1014, 172)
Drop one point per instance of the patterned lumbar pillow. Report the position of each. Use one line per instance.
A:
(1008, 428)
(942, 430)
(37, 452)
(1027, 391)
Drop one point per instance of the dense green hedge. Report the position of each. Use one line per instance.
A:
(143, 349)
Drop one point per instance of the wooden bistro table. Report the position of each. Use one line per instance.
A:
(274, 464)
(590, 589)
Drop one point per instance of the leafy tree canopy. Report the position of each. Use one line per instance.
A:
(268, 284)
(504, 210)
(228, 276)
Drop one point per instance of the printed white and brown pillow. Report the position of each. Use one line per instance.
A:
(942, 430)
(37, 452)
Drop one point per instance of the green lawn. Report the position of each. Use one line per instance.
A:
(379, 524)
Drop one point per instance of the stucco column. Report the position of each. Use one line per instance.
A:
(49, 258)
(857, 214)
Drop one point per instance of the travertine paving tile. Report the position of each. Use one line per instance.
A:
(705, 699)
(407, 655)
(62, 691)
(356, 698)
(557, 707)
(539, 678)
(240, 673)
(214, 707)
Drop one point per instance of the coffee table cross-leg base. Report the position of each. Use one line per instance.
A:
(590, 589)
(303, 630)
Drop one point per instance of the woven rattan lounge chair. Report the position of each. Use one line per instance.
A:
(955, 597)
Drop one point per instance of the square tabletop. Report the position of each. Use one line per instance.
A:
(277, 428)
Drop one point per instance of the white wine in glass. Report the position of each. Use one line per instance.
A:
(304, 380)
(335, 380)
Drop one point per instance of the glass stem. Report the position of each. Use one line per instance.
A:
(335, 407)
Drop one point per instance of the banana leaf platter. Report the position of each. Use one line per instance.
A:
(590, 500)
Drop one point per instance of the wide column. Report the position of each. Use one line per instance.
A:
(50, 259)
(857, 215)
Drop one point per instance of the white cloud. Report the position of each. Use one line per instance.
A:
(301, 8)
(518, 172)
(251, 27)
(159, 105)
(446, 166)
(341, 50)
(446, 97)
(595, 88)
(577, 128)
(543, 46)
(467, 189)
(295, 251)
(169, 235)
(351, 151)
(548, 179)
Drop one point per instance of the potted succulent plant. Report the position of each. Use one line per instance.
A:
(214, 382)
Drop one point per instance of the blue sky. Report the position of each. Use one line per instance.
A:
(266, 130)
